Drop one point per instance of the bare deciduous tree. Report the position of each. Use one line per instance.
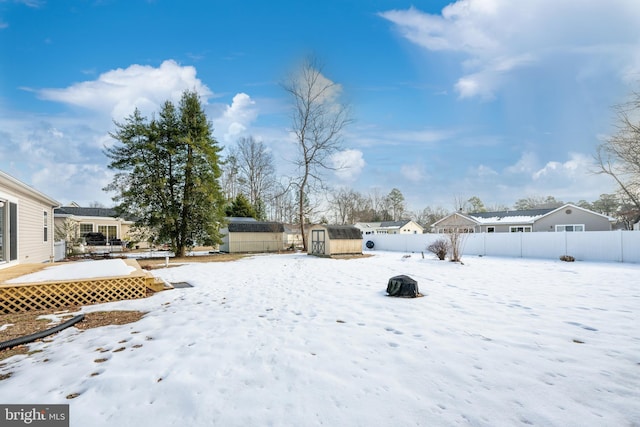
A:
(69, 231)
(229, 177)
(619, 155)
(428, 216)
(256, 171)
(318, 119)
(282, 205)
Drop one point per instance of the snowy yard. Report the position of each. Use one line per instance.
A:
(296, 340)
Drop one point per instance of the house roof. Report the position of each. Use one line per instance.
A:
(528, 216)
(343, 232)
(78, 211)
(392, 224)
(255, 227)
(384, 224)
(510, 217)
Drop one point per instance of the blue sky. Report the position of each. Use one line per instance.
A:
(498, 99)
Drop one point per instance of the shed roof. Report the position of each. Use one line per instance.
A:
(255, 227)
(343, 232)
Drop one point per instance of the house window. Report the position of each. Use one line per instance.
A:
(570, 227)
(110, 231)
(491, 229)
(85, 228)
(458, 230)
(520, 229)
(46, 226)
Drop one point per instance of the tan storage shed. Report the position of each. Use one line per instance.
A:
(252, 236)
(329, 240)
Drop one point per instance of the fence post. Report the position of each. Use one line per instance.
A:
(621, 246)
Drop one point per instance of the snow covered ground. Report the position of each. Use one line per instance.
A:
(294, 340)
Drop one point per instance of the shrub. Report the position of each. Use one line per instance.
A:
(567, 258)
(440, 248)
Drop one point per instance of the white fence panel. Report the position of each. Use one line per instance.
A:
(630, 247)
(597, 245)
(543, 245)
(615, 246)
(59, 250)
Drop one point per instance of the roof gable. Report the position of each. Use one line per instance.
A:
(17, 185)
(572, 206)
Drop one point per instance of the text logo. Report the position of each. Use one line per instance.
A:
(34, 415)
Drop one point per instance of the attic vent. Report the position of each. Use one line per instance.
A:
(568, 211)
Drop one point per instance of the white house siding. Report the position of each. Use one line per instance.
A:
(411, 228)
(31, 206)
(31, 244)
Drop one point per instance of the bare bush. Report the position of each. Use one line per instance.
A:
(439, 248)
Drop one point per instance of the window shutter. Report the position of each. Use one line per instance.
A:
(13, 231)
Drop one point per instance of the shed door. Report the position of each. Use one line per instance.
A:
(317, 242)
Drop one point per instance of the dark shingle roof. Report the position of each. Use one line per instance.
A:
(343, 232)
(256, 227)
(99, 212)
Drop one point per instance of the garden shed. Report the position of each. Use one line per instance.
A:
(329, 240)
(249, 235)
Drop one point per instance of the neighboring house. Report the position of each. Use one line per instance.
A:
(565, 218)
(328, 240)
(79, 221)
(26, 223)
(248, 235)
(406, 226)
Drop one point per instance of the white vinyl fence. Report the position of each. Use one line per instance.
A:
(616, 246)
(59, 250)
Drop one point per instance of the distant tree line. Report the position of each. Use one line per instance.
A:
(171, 175)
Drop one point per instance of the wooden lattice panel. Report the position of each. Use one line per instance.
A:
(47, 295)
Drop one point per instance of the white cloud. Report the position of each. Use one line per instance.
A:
(483, 171)
(368, 137)
(118, 92)
(527, 164)
(576, 165)
(83, 183)
(413, 173)
(235, 118)
(499, 37)
(348, 164)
